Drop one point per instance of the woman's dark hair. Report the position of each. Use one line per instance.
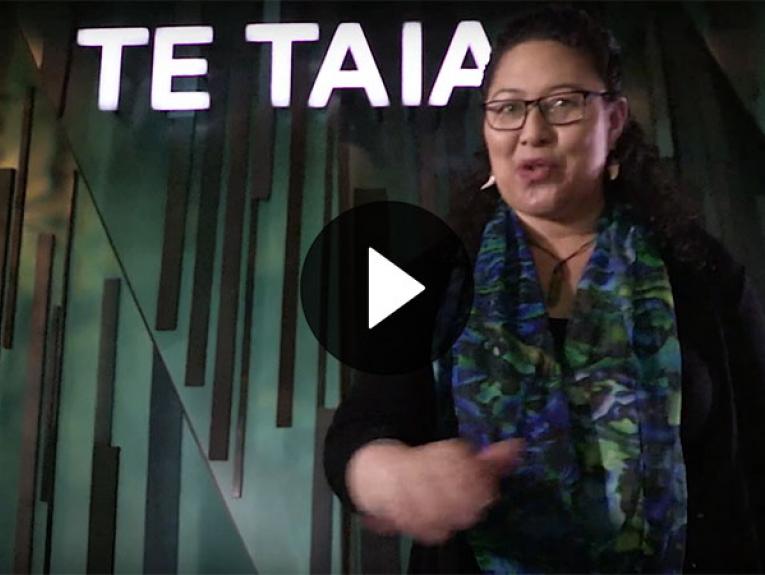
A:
(643, 182)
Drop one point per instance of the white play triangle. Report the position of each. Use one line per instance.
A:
(390, 287)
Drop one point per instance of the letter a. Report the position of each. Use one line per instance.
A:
(349, 37)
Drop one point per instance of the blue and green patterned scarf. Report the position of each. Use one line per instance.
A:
(602, 485)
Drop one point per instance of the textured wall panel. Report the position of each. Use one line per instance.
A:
(32, 400)
(17, 221)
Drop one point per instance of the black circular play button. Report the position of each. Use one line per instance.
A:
(387, 287)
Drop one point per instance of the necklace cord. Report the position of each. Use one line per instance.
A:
(556, 279)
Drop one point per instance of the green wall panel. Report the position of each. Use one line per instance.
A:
(208, 538)
(93, 260)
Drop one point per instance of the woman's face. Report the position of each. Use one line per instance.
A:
(548, 171)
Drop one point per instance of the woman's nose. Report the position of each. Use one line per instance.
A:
(536, 131)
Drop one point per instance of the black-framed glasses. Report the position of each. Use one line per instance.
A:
(557, 109)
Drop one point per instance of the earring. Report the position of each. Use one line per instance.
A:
(613, 171)
(489, 183)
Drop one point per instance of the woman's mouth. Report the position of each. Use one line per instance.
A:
(532, 171)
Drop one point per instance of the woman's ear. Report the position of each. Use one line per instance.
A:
(618, 113)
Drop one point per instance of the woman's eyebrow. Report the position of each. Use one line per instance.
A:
(565, 87)
(518, 92)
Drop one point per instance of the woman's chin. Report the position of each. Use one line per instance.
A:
(537, 201)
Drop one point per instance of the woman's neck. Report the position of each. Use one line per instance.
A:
(562, 236)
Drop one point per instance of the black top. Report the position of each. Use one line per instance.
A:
(558, 330)
(721, 330)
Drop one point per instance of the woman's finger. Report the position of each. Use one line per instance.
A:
(502, 457)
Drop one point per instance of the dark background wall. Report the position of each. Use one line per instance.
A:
(159, 386)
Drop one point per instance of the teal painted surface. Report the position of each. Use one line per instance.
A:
(93, 260)
(208, 541)
(46, 196)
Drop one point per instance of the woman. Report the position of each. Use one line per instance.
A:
(601, 411)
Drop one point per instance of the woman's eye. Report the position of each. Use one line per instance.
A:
(562, 103)
(509, 108)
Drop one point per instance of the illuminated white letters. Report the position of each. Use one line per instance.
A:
(281, 37)
(411, 64)
(111, 41)
(166, 67)
(348, 42)
(469, 36)
(349, 37)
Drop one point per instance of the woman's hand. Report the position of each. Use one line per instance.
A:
(431, 491)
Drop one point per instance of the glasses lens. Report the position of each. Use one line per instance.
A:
(506, 115)
(563, 108)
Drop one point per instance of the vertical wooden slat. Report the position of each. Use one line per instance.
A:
(329, 188)
(321, 512)
(51, 436)
(107, 361)
(286, 386)
(346, 546)
(7, 179)
(50, 416)
(344, 195)
(8, 33)
(321, 516)
(181, 135)
(262, 145)
(207, 222)
(70, 224)
(163, 475)
(262, 154)
(17, 221)
(105, 470)
(58, 40)
(244, 379)
(47, 484)
(32, 399)
(345, 201)
(54, 374)
(103, 509)
(238, 135)
(261, 176)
